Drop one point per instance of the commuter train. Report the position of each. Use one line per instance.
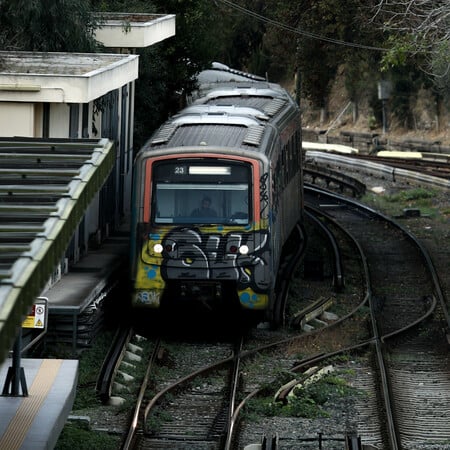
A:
(217, 194)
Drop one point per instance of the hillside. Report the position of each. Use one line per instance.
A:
(340, 118)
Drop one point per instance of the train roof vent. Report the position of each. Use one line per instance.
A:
(254, 135)
(274, 106)
(164, 133)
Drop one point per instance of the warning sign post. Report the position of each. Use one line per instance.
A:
(15, 377)
(37, 318)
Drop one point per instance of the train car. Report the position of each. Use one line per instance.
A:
(217, 194)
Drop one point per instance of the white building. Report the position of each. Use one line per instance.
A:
(71, 95)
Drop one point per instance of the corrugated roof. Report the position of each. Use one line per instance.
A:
(222, 135)
(45, 188)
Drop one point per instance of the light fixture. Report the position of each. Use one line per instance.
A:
(243, 249)
(209, 170)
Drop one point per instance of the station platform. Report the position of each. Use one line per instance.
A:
(36, 421)
(88, 278)
(74, 303)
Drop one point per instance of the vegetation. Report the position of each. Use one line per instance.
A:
(78, 434)
(73, 436)
(412, 194)
(307, 401)
(419, 28)
(47, 26)
(89, 365)
(404, 42)
(416, 198)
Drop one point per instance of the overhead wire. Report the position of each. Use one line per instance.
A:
(308, 34)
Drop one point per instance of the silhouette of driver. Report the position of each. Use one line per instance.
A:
(205, 209)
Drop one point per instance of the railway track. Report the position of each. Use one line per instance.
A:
(408, 320)
(197, 415)
(414, 375)
(350, 175)
(187, 394)
(194, 404)
(440, 169)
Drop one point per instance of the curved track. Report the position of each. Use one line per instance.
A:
(406, 324)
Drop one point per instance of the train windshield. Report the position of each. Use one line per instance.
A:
(201, 193)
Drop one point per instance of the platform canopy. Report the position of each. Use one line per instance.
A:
(134, 30)
(46, 186)
(55, 77)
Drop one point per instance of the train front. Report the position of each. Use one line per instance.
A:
(201, 235)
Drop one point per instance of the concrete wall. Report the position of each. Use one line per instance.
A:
(59, 120)
(17, 119)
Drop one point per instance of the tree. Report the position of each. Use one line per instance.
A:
(167, 70)
(330, 36)
(419, 29)
(197, 42)
(47, 26)
(170, 75)
(242, 35)
(280, 47)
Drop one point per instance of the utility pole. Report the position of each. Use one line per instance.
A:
(384, 93)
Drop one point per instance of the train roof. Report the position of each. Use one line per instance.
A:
(200, 129)
(234, 110)
(269, 100)
(232, 114)
(214, 75)
(220, 75)
(226, 125)
(235, 92)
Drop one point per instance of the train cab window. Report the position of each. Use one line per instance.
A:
(201, 193)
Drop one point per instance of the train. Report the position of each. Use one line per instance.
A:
(217, 195)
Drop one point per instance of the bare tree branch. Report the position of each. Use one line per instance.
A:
(425, 25)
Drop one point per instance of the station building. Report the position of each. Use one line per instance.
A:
(76, 113)
(65, 98)
(69, 95)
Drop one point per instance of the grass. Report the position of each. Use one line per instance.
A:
(306, 401)
(157, 419)
(394, 204)
(413, 195)
(75, 437)
(89, 365)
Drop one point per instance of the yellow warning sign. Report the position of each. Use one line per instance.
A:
(36, 317)
(28, 322)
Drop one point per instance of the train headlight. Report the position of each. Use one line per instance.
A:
(158, 248)
(243, 249)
